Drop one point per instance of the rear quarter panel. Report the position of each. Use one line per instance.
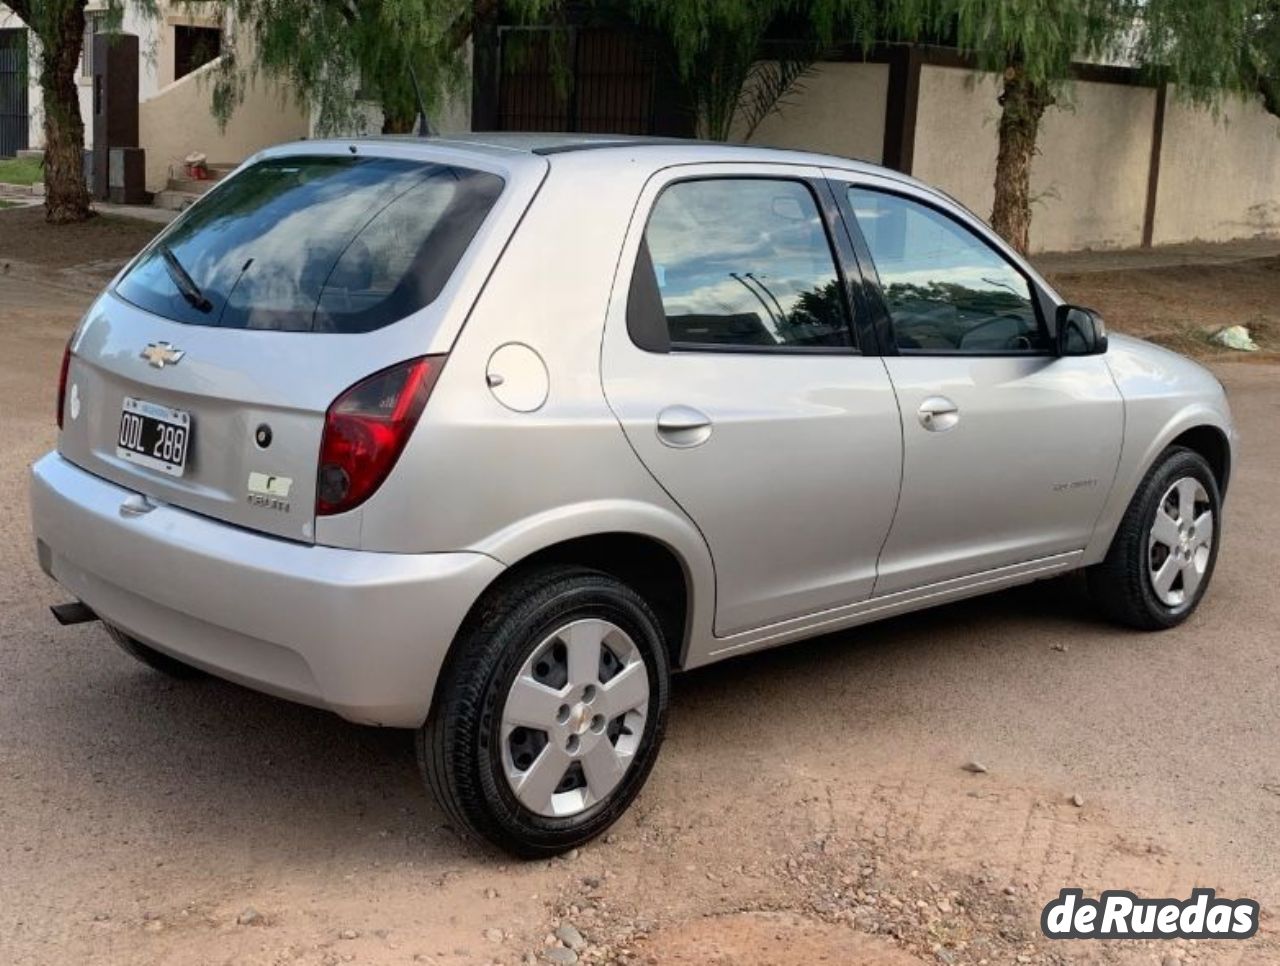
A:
(477, 475)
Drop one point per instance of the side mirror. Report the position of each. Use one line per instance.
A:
(1081, 332)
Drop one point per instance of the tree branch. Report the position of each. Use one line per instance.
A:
(1270, 91)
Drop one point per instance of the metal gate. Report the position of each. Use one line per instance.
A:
(579, 79)
(15, 120)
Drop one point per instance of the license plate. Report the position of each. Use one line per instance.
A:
(154, 436)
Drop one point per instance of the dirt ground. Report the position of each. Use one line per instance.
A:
(810, 805)
(1179, 306)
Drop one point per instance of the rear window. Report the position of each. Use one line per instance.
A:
(315, 244)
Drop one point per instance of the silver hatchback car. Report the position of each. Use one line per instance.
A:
(485, 436)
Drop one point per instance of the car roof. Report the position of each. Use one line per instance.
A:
(510, 144)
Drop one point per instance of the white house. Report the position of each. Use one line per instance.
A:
(177, 48)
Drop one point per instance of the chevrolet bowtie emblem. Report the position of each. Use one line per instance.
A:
(160, 354)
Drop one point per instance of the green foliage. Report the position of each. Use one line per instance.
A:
(1040, 37)
(769, 86)
(23, 171)
(1208, 50)
(47, 18)
(334, 54)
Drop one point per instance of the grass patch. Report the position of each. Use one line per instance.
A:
(23, 171)
(6, 204)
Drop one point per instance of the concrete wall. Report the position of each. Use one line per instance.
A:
(956, 134)
(839, 109)
(1089, 178)
(178, 121)
(1092, 171)
(1219, 177)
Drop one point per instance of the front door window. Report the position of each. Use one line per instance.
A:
(946, 290)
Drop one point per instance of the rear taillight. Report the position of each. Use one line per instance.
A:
(62, 381)
(366, 429)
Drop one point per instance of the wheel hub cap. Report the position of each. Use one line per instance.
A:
(574, 717)
(1180, 542)
(579, 718)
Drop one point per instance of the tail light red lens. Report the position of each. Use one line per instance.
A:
(366, 429)
(62, 381)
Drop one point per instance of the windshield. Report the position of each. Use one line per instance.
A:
(315, 244)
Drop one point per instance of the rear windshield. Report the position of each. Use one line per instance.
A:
(315, 244)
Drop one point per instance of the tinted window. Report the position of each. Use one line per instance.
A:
(946, 289)
(740, 262)
(323, 244)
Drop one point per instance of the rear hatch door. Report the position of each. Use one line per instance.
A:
(202, 377)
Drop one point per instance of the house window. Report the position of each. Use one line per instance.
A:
(94, 23)
(193, 47)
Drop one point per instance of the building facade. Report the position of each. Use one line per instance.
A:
(178, 48)
(1121, 163)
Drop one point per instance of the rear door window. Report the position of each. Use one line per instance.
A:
(315, 244)
(738, 263)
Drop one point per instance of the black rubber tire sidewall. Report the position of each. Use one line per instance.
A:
(1122, 582)
(459, 746)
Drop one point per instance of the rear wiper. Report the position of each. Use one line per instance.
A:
(185, 283)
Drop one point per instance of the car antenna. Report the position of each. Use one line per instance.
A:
(424, 124)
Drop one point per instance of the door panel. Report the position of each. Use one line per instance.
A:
(1023, 472)
(1009, 452)
(778, 439)
(795, 485)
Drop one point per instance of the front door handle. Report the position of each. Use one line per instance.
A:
(938, 414)
(683, 427)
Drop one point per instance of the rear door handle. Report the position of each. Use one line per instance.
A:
(683, 427)
(938, 414)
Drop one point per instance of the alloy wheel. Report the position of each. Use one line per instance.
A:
(1180, 543)
(574, 717)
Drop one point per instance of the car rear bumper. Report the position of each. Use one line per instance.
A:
(362, 634)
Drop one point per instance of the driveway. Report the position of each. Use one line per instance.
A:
(810, 803)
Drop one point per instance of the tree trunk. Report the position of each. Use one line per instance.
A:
(1270, 91)
(1024, 103)
(66, 194)
(397, 122)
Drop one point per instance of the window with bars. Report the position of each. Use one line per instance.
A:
(94, 23)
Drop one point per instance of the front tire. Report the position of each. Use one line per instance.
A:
(1163, 554)
(550, 712)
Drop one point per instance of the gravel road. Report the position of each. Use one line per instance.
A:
(810, 804)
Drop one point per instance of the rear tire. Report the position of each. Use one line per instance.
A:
(1159, 564)
(151, 657)
(550, 711)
